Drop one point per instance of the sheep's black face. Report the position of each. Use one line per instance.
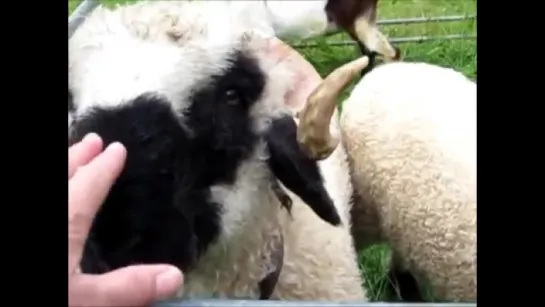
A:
(160, 210)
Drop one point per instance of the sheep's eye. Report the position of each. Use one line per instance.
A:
(232, 97)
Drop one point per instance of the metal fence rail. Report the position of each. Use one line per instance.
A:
(409, 39)
(394, 41)
(272, 303)
(77, 17)
(425, 19)
(86, 6)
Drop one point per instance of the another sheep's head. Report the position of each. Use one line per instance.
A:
(358, 17)
(190, 112)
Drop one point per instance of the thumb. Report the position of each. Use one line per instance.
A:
(137, 285)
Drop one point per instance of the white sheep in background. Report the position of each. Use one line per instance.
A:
(409, 130)
(200, 107)
(309, 18)
(301, 19)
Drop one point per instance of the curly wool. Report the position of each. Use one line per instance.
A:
(409, 130)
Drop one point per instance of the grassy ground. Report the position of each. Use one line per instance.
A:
(458, 54)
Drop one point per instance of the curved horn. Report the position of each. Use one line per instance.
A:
(369, 35)
(313, 134)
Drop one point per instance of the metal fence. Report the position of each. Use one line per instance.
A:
(272, 303)
(88, 5)
(409, 39)
(77, 17)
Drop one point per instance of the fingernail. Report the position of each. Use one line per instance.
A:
(168, 282)
(115, 146)
(90, 136)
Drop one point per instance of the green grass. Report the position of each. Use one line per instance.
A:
(458, 54)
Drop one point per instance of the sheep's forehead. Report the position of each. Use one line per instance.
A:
(124, 70)
(170, 48)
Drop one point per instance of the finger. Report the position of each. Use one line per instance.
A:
(87, 189)
(131, 286)
(81, 153)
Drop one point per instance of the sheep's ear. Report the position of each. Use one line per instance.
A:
(296, 171)
(305, 78)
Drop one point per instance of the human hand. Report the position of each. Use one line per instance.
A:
(91, 173)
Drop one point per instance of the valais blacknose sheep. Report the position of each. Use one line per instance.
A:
(409, 130)
(199, 104)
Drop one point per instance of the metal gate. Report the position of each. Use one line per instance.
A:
(409, 39)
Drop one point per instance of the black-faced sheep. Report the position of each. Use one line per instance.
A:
(409, 130)
(200, 107)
